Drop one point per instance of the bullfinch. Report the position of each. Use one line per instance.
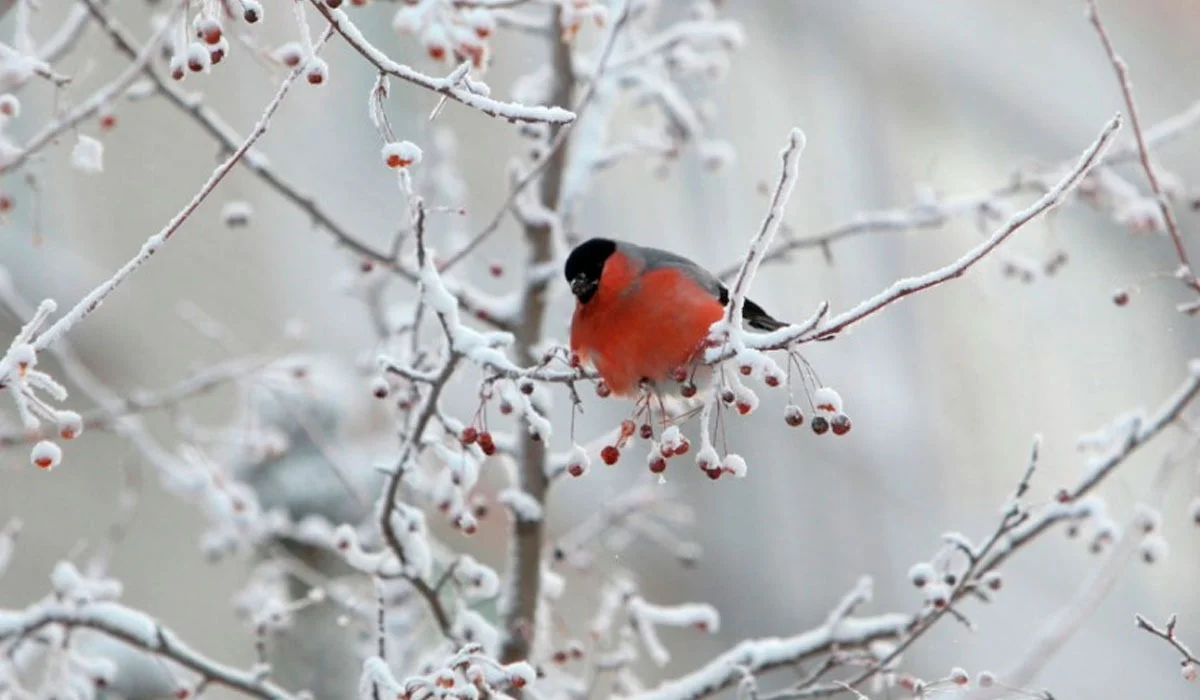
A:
(641, 312)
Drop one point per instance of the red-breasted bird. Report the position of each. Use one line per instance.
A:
(642, 312)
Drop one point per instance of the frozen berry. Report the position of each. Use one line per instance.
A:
(820, 425)
(658, 465)
(469, 435)
(647, 432)
(687, 390)
(627, 428)
(840, 424)
(610, 454)
(487, 444)
(602, 389)
(793, 416)
(1121, 298)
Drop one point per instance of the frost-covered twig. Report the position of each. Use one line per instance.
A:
(93, 104)
(1167, 634)
(217, 128)
(1164, 206)
(907, 286)
(940, 211)
(411, 445)
(764, 655)
(551, 150)
(141, 631)
(511, 111)
(116, 409)
(153, 244)
(761, 242)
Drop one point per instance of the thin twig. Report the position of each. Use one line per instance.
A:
(1160, 197)
(560, 138)
(1168, 635)
(96, 102)
(511, 111)
(152, 245)
(143, 632)
(216, 127)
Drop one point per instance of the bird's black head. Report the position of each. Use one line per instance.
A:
(585, 264)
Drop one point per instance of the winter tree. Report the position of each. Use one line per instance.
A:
(288, 408)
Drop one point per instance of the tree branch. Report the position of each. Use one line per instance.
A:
(1164, 206)
(524, 581)
(452, 89)
(139, 630)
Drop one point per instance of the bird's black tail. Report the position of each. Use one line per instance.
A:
(759, 319)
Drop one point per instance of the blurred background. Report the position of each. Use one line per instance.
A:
(946, 389)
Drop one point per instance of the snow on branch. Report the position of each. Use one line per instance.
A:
(1160, 197)
(136, 629)
(1189, 663)
(452, 89)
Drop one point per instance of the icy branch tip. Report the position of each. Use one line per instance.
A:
(796, 139)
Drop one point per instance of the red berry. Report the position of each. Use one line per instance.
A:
(486, 443)
(506, 407)
(746, 370)
(602, 389)
(177, 73)
(687, 390)
(483, 32)
(108, 121)
(679, 374)
(380, 391)
(334, 4)
(395, 161)
(683, 447)
(771, 380)
(575, 362)
(1063, 496)
(610, 454)
(496, 270)
(575, 470)
(1121, 298)
(820, 425)
(793, 416)
(840, 424)
(469, 435)
(6, 204)
(743, 407)
(728, 396)
(291, 60)
(646, 431)
(560, 657)
(658, 465)
(627, 428)
(217, 55)
(713, 474)
(250, 15)
(437, 52)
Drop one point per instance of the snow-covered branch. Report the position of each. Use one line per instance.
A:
(1190, 663)
(476, 99)
(1164, 205)
(138, 630)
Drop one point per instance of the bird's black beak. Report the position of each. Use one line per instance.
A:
(584, 287)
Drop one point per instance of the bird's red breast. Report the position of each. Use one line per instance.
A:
(641, 323)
